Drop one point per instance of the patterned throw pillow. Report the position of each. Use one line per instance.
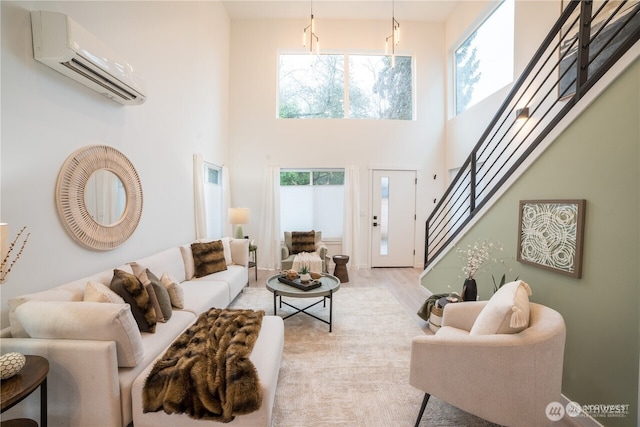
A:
(303, 241)
(208, 258)
(131, 289)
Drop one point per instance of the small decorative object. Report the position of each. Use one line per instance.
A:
(5, 252)
(550, 235)
(291, 274)
(305, 277)
(475, 258)
(10, 364)
(315, 276)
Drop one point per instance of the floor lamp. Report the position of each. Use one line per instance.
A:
(237, 217)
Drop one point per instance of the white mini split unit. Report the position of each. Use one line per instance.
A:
(65, 46)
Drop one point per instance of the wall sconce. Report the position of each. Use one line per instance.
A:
(237, 217)
(522, 114)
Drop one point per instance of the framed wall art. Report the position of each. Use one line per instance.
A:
(550, 235)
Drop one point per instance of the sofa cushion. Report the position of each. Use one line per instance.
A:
(226, 246)
(162, 294)
(208, 258)
(507, 312)
(85, 321)
(97, 292)
(131, 289)
(303, 241)
(200, 295)
(176, 293)
(168, 261)
(235, 277)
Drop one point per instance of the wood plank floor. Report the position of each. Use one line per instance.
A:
(403, 284)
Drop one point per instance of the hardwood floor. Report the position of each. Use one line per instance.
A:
(401, 282)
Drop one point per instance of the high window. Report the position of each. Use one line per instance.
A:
(312, 199)
(213, 199)
(315, 86)
(484, 61)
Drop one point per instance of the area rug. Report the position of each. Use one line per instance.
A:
(357, 375)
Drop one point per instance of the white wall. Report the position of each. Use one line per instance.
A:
(258, 139)
(182, 49)
(533, 20)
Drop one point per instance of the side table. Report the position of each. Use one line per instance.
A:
(253, 259)
(15, 389)
(340, 270)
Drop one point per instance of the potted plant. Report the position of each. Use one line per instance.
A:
(305, 276)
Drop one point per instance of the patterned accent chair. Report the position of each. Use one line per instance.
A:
(288, 251)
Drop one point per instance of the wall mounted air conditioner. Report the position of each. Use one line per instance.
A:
(65, 46)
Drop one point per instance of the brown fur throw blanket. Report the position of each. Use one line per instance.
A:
(206, 373)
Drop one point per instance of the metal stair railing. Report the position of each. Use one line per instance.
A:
(583, 44)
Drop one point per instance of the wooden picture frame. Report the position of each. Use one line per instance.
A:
(551, 235)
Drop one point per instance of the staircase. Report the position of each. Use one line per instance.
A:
(582, 46)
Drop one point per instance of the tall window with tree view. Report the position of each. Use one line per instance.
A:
(484, 61)
(314, 86)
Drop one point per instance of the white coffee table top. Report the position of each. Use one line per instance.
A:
(329, 285)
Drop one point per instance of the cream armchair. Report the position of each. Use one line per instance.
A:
(288, 254)
(508, 379)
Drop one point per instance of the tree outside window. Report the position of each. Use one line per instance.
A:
(313, 86)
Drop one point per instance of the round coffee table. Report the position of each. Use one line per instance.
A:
(329, 285)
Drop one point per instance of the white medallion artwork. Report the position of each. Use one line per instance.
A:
(551, 234)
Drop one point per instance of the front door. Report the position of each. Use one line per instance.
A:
(393, 218)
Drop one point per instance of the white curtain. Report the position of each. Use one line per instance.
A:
(269, 236)
(351, 219)
(227, 228)
(199, 202)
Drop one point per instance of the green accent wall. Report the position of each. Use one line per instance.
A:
(598, 159)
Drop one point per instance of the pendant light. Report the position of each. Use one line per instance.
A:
(312, 35)
(394, 37)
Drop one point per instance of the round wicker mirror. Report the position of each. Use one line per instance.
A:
(71, 197)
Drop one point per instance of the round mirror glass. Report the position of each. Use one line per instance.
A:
(105, 197)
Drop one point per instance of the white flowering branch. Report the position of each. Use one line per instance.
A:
(478, 256)
(4, 270)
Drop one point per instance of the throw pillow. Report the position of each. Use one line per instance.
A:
(74, 320)
(162, 294)
(303, 241)
(208, 258)
(226, 245)
(507, 312)
(97, 292)
(176, 293)
(133, 292)
(154, 302)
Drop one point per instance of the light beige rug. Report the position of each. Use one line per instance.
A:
(357, 375)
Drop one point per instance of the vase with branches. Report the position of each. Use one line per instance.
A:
(7, 262)
(475, 259)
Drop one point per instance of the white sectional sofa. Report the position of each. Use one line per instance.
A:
(98, 361)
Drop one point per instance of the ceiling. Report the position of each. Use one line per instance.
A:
(408, 10)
